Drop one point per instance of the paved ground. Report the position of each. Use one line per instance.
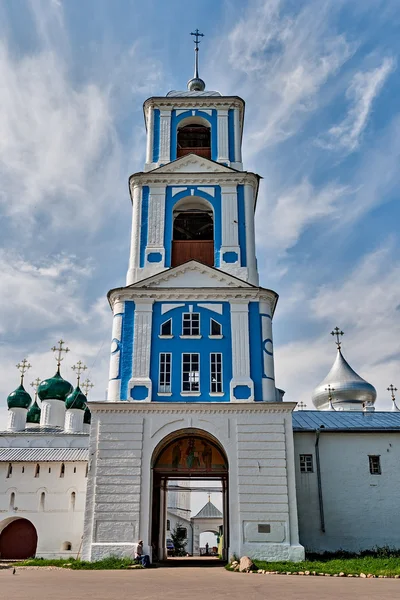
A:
(186, 583)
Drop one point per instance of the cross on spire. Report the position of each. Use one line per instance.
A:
(392, 390)
(87, 385)
(329, 389)
(301, 406)
(22, 367)
(79, 368)
(35, 385)
(337, 332)
(59, 351)
(196, 34)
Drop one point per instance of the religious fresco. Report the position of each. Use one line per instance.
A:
(192, 454)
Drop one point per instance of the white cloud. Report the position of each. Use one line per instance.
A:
(362, 91)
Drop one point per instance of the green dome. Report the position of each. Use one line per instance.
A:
(76, 400)
(55, 388)
(33, 415)
(87, 417)
(19, 398)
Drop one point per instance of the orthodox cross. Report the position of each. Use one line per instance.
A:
(22, 367)
(59, 351)
(337, 332)
(301, 406)
(392, 390)
(87, 386)
(329, 389)
(196, 40)
(35, 385)
(78, 368)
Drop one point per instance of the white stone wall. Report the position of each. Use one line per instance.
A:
(359, 508)
(201, 526)
(174, 519)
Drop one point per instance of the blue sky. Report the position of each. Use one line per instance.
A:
(321, 85)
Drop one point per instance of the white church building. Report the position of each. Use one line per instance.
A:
(192, 392)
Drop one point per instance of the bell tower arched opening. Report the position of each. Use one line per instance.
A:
(194, 137)
(186, 457)
(193, 231)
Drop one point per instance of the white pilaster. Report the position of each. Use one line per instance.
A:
(16, 419)
(223, 145)
(141, 349)
(150, 135)
(52, 413)
(237, 136)
(250, 234)
(74, 420)
(114, 384)
(134, 259)
(165, 136)
(240, 352)
(156, 220)
(230, 241)
(268, 382)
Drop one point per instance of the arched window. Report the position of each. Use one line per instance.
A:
(37, 470)
(12, 500)
(72, 501)
(194, 138)
(66, 546)
(42, 501)
(193, 232)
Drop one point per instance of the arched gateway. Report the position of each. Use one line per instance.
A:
(18, 539)
(191, 455)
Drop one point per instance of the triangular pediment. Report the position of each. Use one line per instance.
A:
(194, 164)
(192, 274)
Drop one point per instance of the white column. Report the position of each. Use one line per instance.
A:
(223, 146)
(141, 352)
(134, 259)
(16, 419)
(230, 243)
(242, 387)
(150, 135)
(114, 383)
(250, 234)
(237, 136)
(165, 136)
(74, 420)
(155, 237)
(52, 413)
(268, 382)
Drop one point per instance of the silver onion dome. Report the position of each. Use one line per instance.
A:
(349, 390)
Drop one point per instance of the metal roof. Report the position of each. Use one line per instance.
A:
(209, 511)
(43, 454)
(309, 420)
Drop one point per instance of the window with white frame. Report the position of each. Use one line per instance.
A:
(375, 465)
(166, 328)
(216, 372)
(164, 378)
(191, 324)
(215, 328)
(306, 463)
(190, 372)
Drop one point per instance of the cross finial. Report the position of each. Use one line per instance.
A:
(337, 332)
(87, 385)
(301, 406)
(329, 389)
(392, 390)
(79, 368)
(22, 367)
(59, 351)
(197, 35)
(35, 385)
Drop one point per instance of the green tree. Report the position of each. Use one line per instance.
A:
(179, 537)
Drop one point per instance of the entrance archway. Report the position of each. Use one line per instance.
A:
(18, 539)
(187, 455)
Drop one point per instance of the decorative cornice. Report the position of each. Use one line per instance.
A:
(190, 179)
(191, 102)
(192, 294)
(209, 408)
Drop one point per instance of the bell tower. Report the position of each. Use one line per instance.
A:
(192, 347)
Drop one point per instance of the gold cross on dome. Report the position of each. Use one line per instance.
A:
(22, 367)
(337, 332)
(35, 385)
(329, 389)
(301, 406)
(392, 390)
(87, 385)
(59, 351)
(79, 368)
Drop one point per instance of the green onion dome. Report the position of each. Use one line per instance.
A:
(55, 388)
(76, 399)
(33, 415)
(19, 398)
(87, 417)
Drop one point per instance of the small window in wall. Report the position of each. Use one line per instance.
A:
(215, 329)
(74, 469)
(66, 546)
(87, 469)
(9, 470)
(12, 500)
(306, 463)
(42, 501)
(166, 328)
(49, 469)
(216, 373)
(164, 379)
(190, 373)
(72, 501)
(183, 531)
(37, 470)
(62, 470)
(23, 470)
(375, 465)
(168, 525)
(191, 324)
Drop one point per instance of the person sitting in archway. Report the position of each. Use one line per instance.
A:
(140, 557)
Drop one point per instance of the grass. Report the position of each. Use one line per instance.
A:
(111, 562)
(381, 562)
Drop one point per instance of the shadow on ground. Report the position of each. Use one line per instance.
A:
(193, 561)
